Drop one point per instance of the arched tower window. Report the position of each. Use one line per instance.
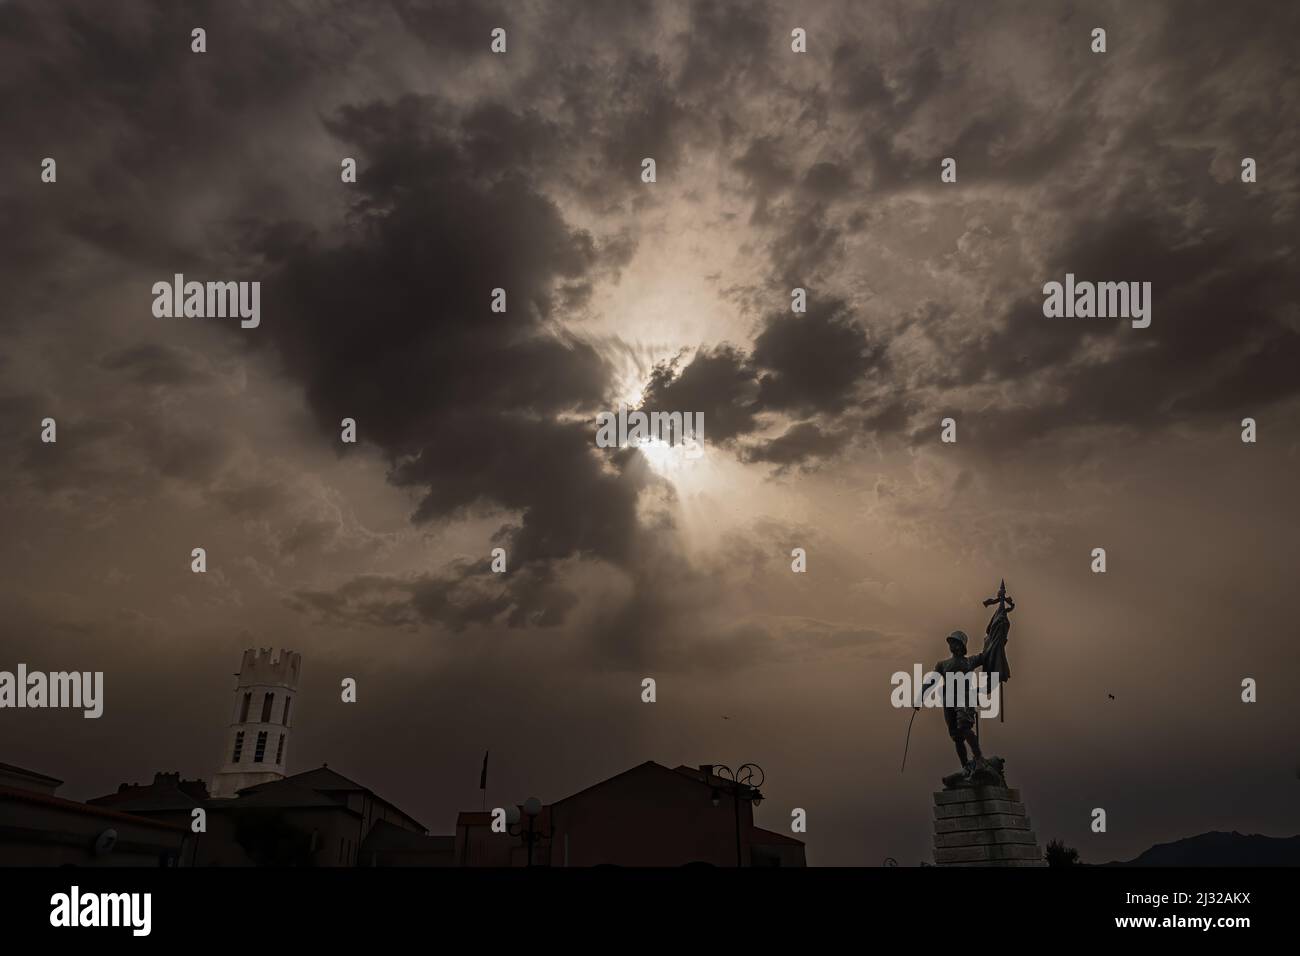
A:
(260, 753)
(279, 750)
(285, 719)
(239, 747)
(267, 702)
(243, 709)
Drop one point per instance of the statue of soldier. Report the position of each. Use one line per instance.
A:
(960, 720)
(963, 720)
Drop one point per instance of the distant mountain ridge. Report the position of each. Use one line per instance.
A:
(1220, 849)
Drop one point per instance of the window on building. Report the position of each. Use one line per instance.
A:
(260, 752)
(285, 719)
(267, 701)
(239, 747)
(279, 750)
(243, 710)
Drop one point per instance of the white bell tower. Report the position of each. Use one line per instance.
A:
(257, 742)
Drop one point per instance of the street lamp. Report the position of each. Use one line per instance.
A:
(742, 783)
(532, 809)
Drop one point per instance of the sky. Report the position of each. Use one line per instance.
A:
(774, 170)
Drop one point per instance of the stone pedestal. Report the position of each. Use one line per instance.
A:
(983, 826)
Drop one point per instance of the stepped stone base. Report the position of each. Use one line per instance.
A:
(983, 826)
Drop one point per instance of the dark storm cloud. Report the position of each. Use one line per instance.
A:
(812, 362)
(1224, 338)
(801, 364)
(727, 43)
(810, 242)
(719, 382)
(652, 125)
(117, 99)
(451, 204)
(978, 138)
(828, 180)
(890, 93)
(392, 325)
(431, 239)
(1220, 342)
(498, 138)
(766, 173)
(799, 443)
(387, 321)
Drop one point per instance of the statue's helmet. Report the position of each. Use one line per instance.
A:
(958, 638)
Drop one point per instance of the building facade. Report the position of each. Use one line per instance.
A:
(40, 828)
(648, 816)
(316, 818)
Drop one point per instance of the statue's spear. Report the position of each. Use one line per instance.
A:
(1001, 600)
(908, 741)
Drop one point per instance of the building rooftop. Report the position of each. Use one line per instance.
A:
(167, 792)
(84, 809)
(320, 781)
(22, 778)
(285, 794)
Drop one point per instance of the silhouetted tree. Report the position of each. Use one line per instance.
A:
(1058, 854)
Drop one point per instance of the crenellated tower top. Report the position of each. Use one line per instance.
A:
(263, 666)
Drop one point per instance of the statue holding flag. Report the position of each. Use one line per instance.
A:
(960, 716)
(978, 819)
